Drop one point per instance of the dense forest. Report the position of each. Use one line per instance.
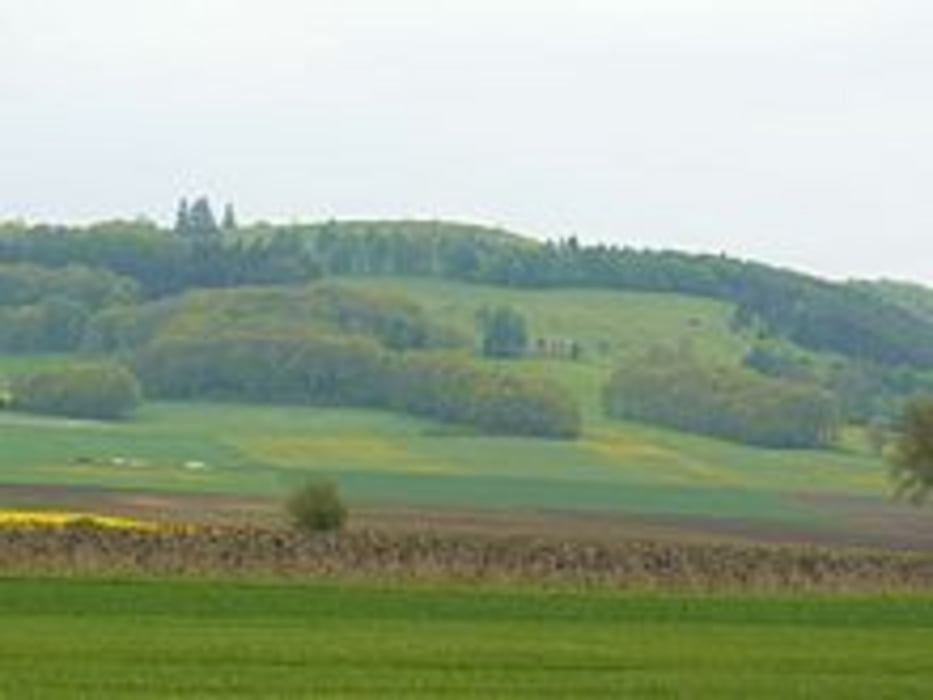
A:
(154, 299)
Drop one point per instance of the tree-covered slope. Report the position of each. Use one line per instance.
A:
(817, 314)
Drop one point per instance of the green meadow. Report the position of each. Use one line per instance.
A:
(85, 638)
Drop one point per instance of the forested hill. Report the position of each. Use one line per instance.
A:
(856, 321)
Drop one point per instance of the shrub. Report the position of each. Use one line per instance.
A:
(317, 507)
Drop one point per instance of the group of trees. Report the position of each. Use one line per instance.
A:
(851, 320)
(45, 310)
(864, 391)
(681, 392)
(393, 321)
(104, 391)
(161, 262)
(198, 223)
(353, 371)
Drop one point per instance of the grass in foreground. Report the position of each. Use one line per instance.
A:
(83, 638)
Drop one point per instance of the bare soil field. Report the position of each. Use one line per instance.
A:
(890, 527)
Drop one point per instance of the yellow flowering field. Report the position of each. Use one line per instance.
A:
(19, 518)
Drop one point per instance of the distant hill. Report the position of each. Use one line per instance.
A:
(915, 298)
(869, 344)
(368, 336)
(841, 318)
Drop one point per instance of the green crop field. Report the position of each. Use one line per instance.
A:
(382, 458)
(83, 638)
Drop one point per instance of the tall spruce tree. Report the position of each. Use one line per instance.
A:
(228, 222)
(182, 218)
(201, 221)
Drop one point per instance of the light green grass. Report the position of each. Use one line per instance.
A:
(68, 639)
(611, 325)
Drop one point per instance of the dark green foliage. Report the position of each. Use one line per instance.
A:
(449, 388)
(504, 332)
(45, 310)
(392, 320)
(816, 314)
(229, 223)
(54, 325)
(913, 297)
(841, 318)
(396, 321)
(91, 287)
(779, 363)
(181, 217)
(301, 369)
(123, 328)
(317, 507)
(163, 264)
(867, 391)
(913, 459)
(99, 391)
(851, 320)
(197, 222)
(348, 371)
(731, 403)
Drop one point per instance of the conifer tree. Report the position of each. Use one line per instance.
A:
(229, 222)
(182, 218)
(201, 222)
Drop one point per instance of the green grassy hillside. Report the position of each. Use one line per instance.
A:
(611, 326)
(383, 458)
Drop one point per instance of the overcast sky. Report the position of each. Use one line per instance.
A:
(798, 132)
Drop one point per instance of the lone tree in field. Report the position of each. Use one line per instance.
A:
(504, 332)
(913, 458)
(317, 507)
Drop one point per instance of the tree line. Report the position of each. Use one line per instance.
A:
(814, 313)
(46, 310)
(99, 390)
(678, 391)
(163, 262)
(317, 369)
(843, 318)
(392, 320)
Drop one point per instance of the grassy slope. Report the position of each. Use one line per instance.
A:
(628, 323)
(209, 639)
(394, 459)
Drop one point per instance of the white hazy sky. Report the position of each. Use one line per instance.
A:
(798, 132)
